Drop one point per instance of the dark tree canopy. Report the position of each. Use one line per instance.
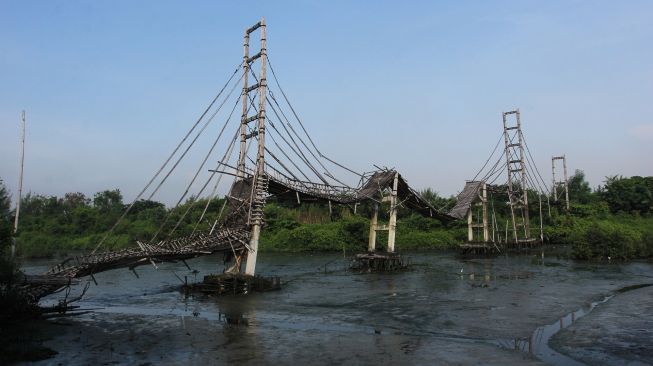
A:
(5, 218)
(579, 188)
(634, 194)
(109, 200)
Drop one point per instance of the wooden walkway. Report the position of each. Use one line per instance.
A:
(197, 245)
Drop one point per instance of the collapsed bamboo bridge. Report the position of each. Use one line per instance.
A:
(276, 158)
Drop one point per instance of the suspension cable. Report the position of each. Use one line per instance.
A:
(226, 157)
(300, 154)
(147, 186)
(192, 204)
(536, 169)
(276, 80)
(490, 157)
(199, 169)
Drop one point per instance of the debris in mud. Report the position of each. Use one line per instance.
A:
(234, 284)
(373, 262)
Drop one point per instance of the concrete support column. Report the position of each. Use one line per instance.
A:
(392, 225)
(486, 229)
(470, 228)
(250, 268)
(371, 246)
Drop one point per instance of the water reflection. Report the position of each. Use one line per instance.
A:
(538, 342)
(237, 319)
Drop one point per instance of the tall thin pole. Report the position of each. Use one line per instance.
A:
(20, 182)
(553, 174)
(250, 267)
(486, 234)
(564, 165)
(524, 181)
(243, 117)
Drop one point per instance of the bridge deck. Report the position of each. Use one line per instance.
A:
(196, 245)
(379, 181)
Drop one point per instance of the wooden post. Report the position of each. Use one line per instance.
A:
(541, 221)
(486, 231)
(20, 184)
(553, 174)
(564, 165)
(524, 181)
(371, 246)
(392, 225)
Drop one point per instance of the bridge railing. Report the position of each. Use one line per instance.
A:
(321, 190)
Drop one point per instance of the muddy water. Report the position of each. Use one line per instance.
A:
(445, 311)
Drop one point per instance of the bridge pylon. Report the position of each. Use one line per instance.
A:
(517, 178)
(556, 183)
(472, 235)
(391, 227)
(258, 183)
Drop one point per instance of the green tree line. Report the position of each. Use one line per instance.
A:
(615, 220)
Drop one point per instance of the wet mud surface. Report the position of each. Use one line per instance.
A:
(445, 311)
(618, 332)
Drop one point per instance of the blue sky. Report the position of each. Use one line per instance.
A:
(111, 86)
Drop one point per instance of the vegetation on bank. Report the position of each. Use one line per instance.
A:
(614, 221)
(51, 225)
(13, 305)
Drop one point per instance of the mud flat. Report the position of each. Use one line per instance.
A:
(445, 311)
(105, 339)
(618, 332)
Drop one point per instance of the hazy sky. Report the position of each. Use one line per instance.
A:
(111, 86)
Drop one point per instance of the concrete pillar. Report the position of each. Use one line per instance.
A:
(371, 246)
(392, 225)
(250, 268)
(470, 228)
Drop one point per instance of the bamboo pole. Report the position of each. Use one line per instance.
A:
(486, 234)
(564, 165)
(20, 183)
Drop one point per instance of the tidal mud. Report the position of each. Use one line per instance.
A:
(618, 332)
(445, 310)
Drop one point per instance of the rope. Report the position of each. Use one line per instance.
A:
(215, 187)
(227, 154)
(490, 157)
(300, 154)
(199, 169)
(192, 143)
(274, 75)
(147, 186)
(536, 170)
(297, 152)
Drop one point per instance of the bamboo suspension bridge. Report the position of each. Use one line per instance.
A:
(276, 157)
